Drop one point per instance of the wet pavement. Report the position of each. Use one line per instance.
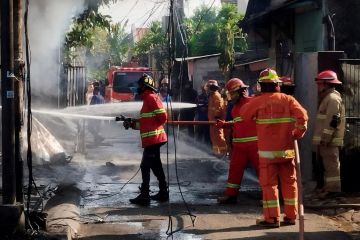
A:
(89, 196)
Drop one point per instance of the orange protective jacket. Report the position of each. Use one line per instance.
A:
(276, 115)
(216, 110)
(216, 107)
(243, 131)
(152, 118)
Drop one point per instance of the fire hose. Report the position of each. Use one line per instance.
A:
(300, 193)
(123, 118)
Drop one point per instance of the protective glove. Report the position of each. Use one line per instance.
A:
(220, 123)
(129, 123)
(297, 133)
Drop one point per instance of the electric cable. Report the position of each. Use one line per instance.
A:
(202, 16)
(129, 12)
(171, 49)
(31, 181)
(171, 61)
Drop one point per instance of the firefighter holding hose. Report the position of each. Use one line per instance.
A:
(152, 118)
(244, 141)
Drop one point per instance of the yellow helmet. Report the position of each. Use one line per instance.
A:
(269, 76)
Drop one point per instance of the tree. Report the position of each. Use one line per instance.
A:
(210, 32)
(82, 29)
(154, 43)
(226, 59)
(108, 48)
(202, 32)
(95, 38)
(119, 42)
(226, 21)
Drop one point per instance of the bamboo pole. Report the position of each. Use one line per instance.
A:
(300, 193)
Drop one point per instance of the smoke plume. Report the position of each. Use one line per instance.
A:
(48, 22)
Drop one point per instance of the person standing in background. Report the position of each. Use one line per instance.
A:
(202, 131)
(94, 125)
(216, 111)
(329, 131)
(89, 93)
(188, 114)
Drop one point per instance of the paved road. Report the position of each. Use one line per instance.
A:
(105, 213)
(91, 200)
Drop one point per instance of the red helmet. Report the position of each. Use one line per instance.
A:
(268, 76)
(328, 76)
(286, 81)
(235, 84)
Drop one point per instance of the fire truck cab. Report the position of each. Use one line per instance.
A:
(122, 83)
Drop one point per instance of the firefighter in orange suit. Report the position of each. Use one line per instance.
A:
(152, 118)
(329, 130)
(280, 119)
(216, 110)
(244, 141)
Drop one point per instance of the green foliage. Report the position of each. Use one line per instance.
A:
(202, 32)
(206, 42)
(119, 42)
(226, 59)
(83, 28)
(93, 36)
(227, 19)
(109, 48)
(154, 43)
(210, 31)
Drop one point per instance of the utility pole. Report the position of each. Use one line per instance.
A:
(11, 212)
(8, 103)
(19, 96)
(180, 70)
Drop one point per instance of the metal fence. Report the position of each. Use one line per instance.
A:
(73, 86)
(351, 92)
(351, 151)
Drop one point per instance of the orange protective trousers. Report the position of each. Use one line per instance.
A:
(270, 173)
(218, 141)
(241, 155)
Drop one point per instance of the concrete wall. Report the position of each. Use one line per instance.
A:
(201, 69)
(309, 33)
(306, 69)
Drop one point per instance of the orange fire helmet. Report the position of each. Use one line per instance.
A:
(235, 84)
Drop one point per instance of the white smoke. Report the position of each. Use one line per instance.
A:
(48, 22)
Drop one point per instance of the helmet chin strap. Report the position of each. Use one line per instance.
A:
(277, 88)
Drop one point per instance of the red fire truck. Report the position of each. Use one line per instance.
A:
(122, 83)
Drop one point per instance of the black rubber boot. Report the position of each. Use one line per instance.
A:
(143, 198)
(161, 196)
(226, 199)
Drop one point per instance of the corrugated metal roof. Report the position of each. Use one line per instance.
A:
(197, 57)
(250, 62)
